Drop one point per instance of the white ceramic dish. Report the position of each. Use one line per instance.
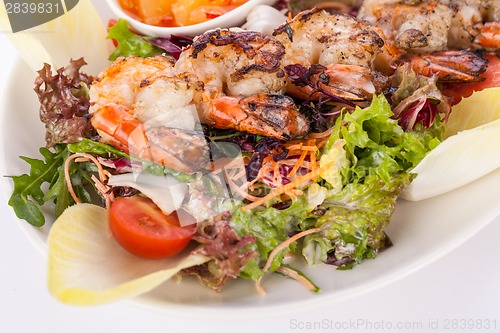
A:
(421, 232)
(234, 18)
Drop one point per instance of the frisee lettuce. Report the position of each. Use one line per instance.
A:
(381, 156)
(373, 164)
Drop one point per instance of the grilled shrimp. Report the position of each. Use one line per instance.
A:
(424, 26)
(243, 83)
(475, 24)
(144, 107)
(345, 46)
(411, 24)
(448, 65)
(436, 35)
(489, 32)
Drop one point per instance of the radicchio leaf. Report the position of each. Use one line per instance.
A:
(298, 75)
(254, 165)
(417, 99)
(172, 45)
(258, 149)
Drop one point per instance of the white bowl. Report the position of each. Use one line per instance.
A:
(234, 18)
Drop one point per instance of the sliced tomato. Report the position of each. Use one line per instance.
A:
(141, 228)
(491, 76)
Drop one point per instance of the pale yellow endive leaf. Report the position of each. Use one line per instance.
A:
(86, 266)
(470, 151)
(480, 108)
(78, 33)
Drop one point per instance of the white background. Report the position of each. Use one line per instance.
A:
(462, 285)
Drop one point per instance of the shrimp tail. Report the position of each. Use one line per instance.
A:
(352, 82)
(118, 128)
(489, 36)
(264, 114)
(170, 147)
(449, 65)
(336, 82)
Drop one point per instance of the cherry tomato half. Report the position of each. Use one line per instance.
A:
(141, 228)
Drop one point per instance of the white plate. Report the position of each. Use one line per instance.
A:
(421, 232)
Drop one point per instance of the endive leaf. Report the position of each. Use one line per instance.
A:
(480, 108)
(86, 266)
(78, 33)
(470, 151)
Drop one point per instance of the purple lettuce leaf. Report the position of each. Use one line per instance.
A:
(64, 103)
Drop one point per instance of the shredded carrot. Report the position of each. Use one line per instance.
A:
(241, 190)
(309, 146)
(289, 241)
(299, 163)
(259, 288)
(99, 185)
(288, 187)
(234, 173)
(297, 146)
(269, 166)
(281, 190)
(282, 246)
(322, 134)
(297, 277)
(226, 163)
(103, 175)
(301, 147)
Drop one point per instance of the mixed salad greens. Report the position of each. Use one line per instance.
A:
(334, 214)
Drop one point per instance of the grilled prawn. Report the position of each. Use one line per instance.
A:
(144, 107)
(425, 26)
(437, 35)
(243, 83)
(345, 46)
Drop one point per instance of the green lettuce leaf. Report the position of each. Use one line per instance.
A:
(129, 43)
(28, 196)
(271, 227)
(371, 158)
(380, 156)
(356, 218)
